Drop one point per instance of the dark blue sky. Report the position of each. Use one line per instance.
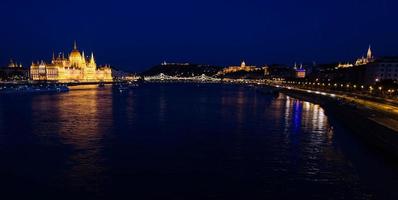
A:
(135, 35)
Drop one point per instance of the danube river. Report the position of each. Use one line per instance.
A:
(183, 141)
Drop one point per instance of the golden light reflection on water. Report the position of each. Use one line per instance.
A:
(85, 117)
(311, 122)
(310, 117)
(82, 116)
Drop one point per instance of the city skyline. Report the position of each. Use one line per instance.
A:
(135, 36)
(199, 99)
(46, 59)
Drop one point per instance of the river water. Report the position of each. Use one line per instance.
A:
(182, 141)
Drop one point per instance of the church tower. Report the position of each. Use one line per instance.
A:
(369, 54)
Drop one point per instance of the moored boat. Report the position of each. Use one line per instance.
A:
(101, 85)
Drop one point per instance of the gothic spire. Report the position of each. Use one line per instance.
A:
(369, 54)
(92, 60)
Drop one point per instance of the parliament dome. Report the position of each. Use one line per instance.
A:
(75, 57)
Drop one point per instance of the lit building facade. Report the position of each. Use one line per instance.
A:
(75, 68)
(345, 65)
(360, 61)
(242, 67)
(299, 72)
(382, 69)
(365, 60)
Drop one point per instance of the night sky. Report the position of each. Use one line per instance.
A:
(135, 35)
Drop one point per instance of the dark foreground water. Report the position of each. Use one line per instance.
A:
(182, 142)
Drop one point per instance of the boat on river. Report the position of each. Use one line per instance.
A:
(101, 85)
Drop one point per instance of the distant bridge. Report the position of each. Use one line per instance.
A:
(163, 77)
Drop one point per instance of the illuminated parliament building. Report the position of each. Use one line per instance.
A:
(75, 68)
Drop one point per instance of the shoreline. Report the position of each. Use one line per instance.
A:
(357, 120)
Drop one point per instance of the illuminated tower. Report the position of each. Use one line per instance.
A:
(369, 54)
(75, 58)
(90, 70)
(92, 60)
(83, 57)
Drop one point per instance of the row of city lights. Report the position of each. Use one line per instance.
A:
(371, 88)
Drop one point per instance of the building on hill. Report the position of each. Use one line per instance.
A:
(242, 67)
(365, 60)
(164, 63)
(345, 65)
(75, 68)
(244, 72)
